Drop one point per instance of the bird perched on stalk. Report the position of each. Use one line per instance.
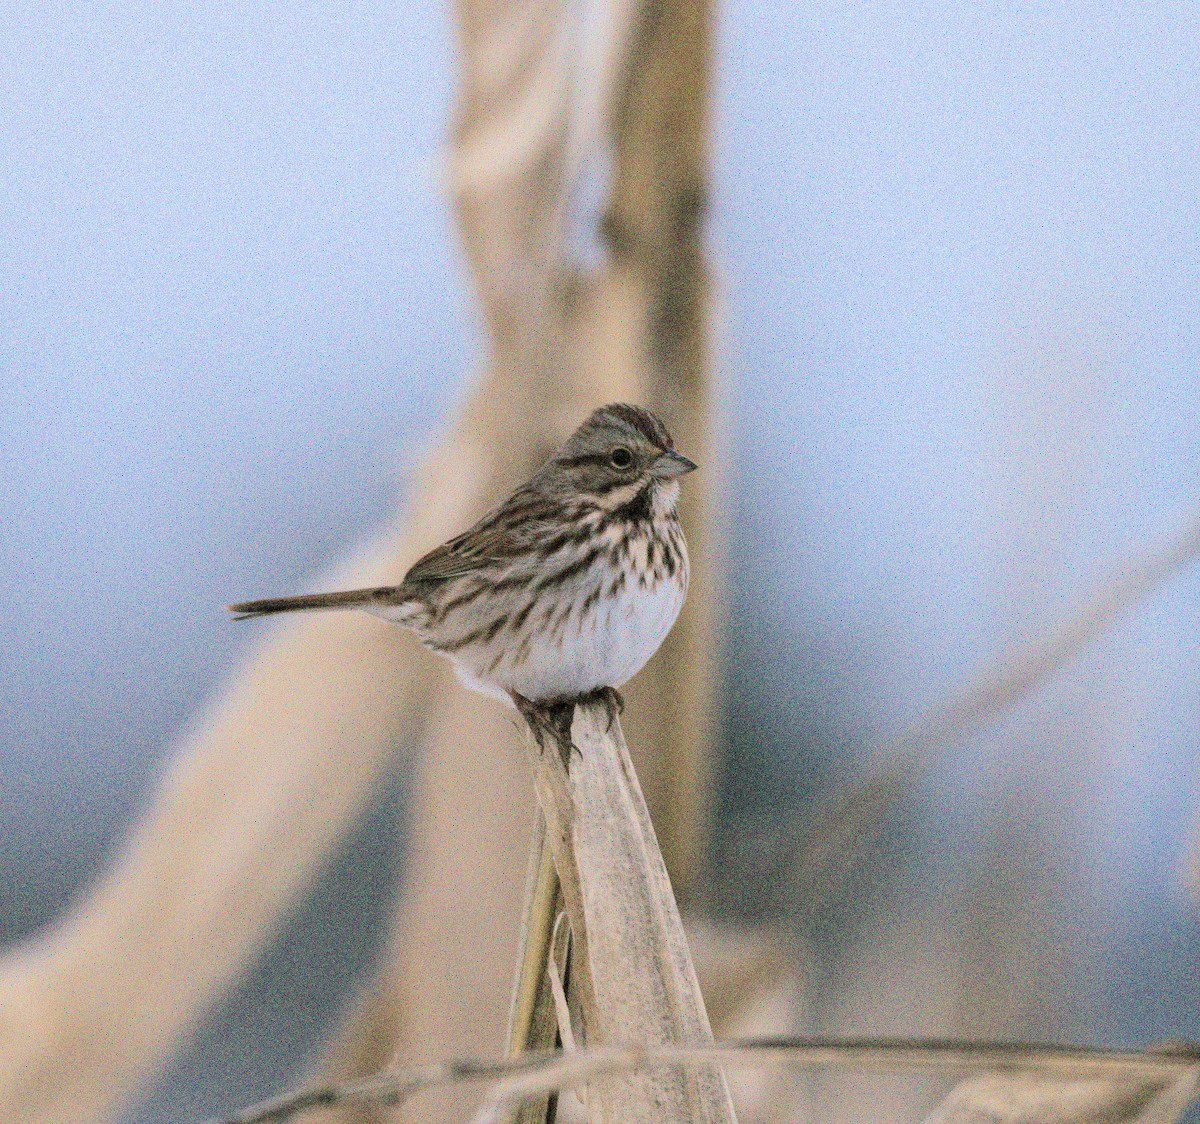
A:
(563, 592)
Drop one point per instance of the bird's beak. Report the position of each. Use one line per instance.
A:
(670, 465)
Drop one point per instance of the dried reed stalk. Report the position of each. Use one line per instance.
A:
(634, 329)
(631, 966)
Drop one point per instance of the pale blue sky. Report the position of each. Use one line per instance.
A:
(231, 309)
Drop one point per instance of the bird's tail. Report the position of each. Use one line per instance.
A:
(377, 600)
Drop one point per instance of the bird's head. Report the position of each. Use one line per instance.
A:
(618, 451)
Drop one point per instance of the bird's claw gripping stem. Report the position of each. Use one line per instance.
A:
(552, 719)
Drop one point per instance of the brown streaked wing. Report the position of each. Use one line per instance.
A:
(500, 537)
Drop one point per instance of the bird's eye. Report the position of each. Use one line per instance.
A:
(621, 457)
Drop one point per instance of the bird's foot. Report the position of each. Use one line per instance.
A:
(610, 698)
(550, 719)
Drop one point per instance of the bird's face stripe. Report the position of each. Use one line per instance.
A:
(643, 421)
(637, 509)
(583, 458)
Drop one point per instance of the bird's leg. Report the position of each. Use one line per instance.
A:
(550, 719)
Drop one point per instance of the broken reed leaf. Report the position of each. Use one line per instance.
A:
(1171, 1071)
(1038, 1098)
(555, 976)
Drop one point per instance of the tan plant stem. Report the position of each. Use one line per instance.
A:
(537, 924)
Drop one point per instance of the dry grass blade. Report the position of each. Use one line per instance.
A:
(817, 864)
(534, 1016)
(1021, 671)
(561, 937)
(528, 1026)
(536, 1074)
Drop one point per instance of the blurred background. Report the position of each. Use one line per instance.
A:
(958, 264)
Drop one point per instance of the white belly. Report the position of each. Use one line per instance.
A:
(604, 647)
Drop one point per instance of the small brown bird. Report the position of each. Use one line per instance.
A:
(565, 590)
